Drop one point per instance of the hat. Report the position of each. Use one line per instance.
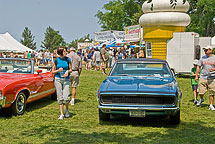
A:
(72, 49)
(207, 47)
(195, 62)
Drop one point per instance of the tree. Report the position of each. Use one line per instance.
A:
(52, 39)
(202, 13)
(119, 13)
(28, 39)
(74, 43)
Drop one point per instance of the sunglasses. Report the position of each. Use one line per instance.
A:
(206, 50)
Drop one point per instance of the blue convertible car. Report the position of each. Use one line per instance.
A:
(138, 88)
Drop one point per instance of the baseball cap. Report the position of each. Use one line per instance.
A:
(208, 47)
(195, 62)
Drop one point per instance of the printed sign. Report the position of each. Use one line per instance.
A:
(104, 36)
(119, 35)
(132, 33)
(82, 45)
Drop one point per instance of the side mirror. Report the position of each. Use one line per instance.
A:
(175, 74)
(39, 71)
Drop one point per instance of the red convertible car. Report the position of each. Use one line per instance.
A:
(21, 82)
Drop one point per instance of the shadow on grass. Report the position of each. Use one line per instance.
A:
(29, 107)
(78, 101)
(189, 133)
(39, 104)
(149, 121)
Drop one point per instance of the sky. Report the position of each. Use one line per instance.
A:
(72, 18)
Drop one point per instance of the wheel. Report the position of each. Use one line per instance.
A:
(175, 119)
(103, 116)
(19, 105)
(54, 96)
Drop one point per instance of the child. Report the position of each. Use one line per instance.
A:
(193, 82)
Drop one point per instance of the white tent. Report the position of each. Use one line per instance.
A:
(9, 44)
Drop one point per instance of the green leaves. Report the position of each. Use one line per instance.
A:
(119, 13)
(202, 14)
(52, 39)
(28, 39)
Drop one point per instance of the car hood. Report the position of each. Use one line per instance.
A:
(139, 84)
(8, 78)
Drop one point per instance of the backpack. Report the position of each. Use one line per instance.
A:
(66, 60)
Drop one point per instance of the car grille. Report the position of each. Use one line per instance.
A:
(138, 99)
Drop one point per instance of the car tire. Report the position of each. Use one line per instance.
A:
(104, 116)
(54, 96)
(19, 105)
(175, 119)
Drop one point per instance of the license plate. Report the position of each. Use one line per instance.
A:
(137, 113)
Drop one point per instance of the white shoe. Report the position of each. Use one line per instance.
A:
(72, 102)
(66, 113)
(211, 107)
(200, 102)
(61, 117)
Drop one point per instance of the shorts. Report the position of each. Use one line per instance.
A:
(205, 84)
(98, 63)
(194, 87)
(62, 89)
(105, 64)
(74, 78)
(47, 60)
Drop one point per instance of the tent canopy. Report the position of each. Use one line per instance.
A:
(9, 44)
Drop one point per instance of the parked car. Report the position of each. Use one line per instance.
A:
(139, 88)
(21, 82)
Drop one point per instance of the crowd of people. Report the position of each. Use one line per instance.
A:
(104, 58)
(42, 57)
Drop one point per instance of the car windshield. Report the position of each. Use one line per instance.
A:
(141, 69)
(15, 66)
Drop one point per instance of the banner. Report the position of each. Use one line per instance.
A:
(104, 36)
(82, 45)
(119, 35)
(132, 33)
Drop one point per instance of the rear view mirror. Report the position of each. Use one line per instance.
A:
(39, 71)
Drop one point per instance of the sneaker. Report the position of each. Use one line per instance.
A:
(72, 102)
(200, 102)
(67, 113)
(195, 102)
(211, 107)
(61, 117)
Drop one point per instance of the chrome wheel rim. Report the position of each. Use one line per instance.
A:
(20, 103)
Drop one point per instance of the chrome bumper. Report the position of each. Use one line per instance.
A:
(137, 108)
(2, 102)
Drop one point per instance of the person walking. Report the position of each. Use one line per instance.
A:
(76, 72)
(110, 53)
(97, 59)
(207, 76)
(104, 58)
(62, 68)
(193, 82)
(89, 60)
(47, 57)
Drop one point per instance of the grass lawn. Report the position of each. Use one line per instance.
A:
(40, 124)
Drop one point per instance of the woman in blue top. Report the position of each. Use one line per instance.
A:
(61, 68)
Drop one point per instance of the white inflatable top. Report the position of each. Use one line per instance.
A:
(163, 14)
